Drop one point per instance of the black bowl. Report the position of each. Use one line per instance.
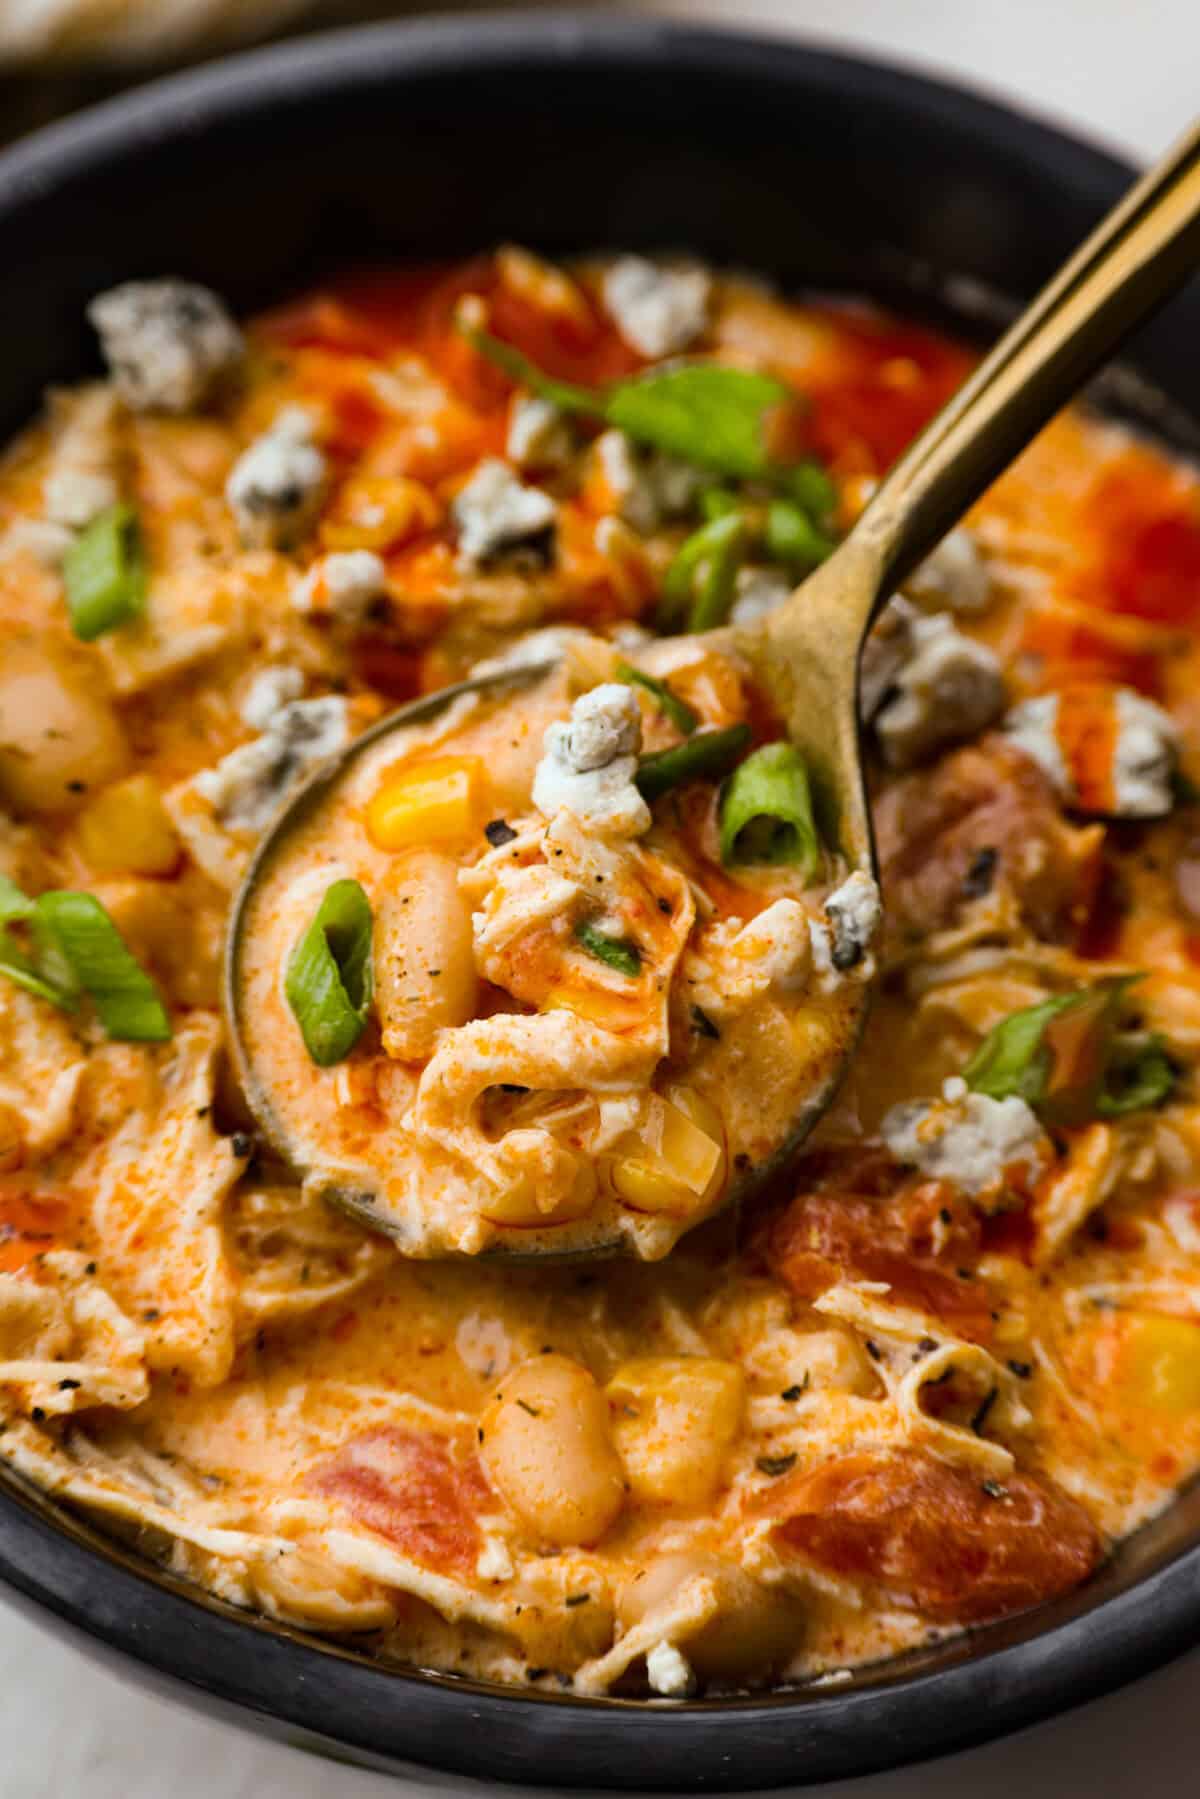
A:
(567, 132)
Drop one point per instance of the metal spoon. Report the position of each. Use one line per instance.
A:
(806, 653)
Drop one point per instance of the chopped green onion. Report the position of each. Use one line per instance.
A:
(811, 487)
(16, 966)
(615, 952)
(1066, 1059)
(78, 949)
(677, 710)
(13, 903)
(713, 416)
(104, 573)
(709, 754)
(1140, 1074)
(699, 584)
(329, 981)
(127, 1001)
(792, 538)
(1013, 1062)
(766, 811)
(717, 502)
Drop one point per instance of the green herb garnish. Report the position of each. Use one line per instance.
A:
(713, 416)
(1066, 1058)
(620, 953)
(793, 539)
(329, 980)
(707, 755)
(104, 574)
(76, 949)
(699, 585)
(766, 811)
(677, 710)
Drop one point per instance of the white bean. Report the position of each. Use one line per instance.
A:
(548, 1452)
(59, 738)
(754, 1634)
(425, 978)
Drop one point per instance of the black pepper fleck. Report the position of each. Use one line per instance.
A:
(775, 1465)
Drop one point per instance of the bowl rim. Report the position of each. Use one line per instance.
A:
(317, 1694)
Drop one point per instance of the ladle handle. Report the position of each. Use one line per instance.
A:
(1136, 257)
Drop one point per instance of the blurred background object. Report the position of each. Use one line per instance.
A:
(137, 31)
(57, 55)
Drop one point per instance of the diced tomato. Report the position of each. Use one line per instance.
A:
(389, 668)
(857, 1216)
(1155, 572)
(406, 1486)
(1100, 934)
(31, 1222)
(932, 1537)
(1146, 533)
(356, 421)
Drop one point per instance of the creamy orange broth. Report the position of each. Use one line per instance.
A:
(880, 1406)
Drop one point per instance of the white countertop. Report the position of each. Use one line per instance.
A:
(1125, 71)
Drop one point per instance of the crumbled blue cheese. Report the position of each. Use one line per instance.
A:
(659, 310)
(947, 688)
(275, 487)
(1032, 727)
(269, 692)
(841, 942)
(248, 786)
(590, 764)
(954, 578)
(758, 591)
(669, 1673)
(540, 434)
(342, 586)
(495, 512)
(1145, 751)
(648, 488)
(1144, 759)
(168, 344)
(969, 1139)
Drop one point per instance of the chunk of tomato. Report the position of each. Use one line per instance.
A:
(862, 1218)
(932, 1536)
(409, 1488)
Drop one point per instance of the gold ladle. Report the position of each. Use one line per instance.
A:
(806, 653)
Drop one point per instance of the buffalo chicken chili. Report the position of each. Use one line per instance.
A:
(550, 966)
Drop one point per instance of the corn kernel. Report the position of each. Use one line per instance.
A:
(427, 802)
(1160, 1363)
(674, 1419)
(379, 512)
(126, 830)
(526, 1204)
(675, 1162)
(613, 1011)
